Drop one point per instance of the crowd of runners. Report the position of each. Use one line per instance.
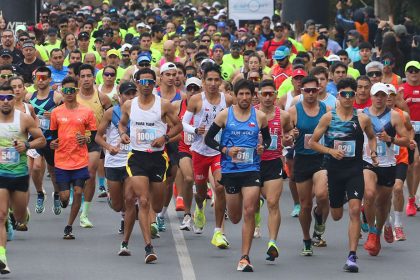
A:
(151, 103)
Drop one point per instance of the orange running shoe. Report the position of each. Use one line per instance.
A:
(370, 242)
(179, 205)
(411, 209)
(388, 234)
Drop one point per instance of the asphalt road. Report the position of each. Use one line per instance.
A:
(41, 253)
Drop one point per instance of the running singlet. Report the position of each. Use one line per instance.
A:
(346, 136)
(176, 97)
(412, 97)
(242, 134)
(205, 118)
(385, 151)
(186, 138)
(401, 153)
(146, 126)
(111, 95)
(41, 106)
(95, 104)
(113, 138)
(12, 163)
(306, 126)
(276, 148)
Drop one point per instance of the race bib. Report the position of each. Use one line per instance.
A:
(273, 144)
(416, 126)
(145, 136)
(348, 147)
(307, 138)
(381, 148)
(125, 147)
(9, 156)
(245, 155)
(396, 149)
(188, 138)
(44, 123)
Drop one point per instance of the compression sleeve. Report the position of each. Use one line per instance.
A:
(186, 122)
(92, 136)
(266, 137)
(209, 139)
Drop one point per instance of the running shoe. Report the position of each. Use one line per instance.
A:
(411, 209)
(351, 265)
(150, 254)
(179, 205)
(399, 234)
(295, 211)
(272, 252)
(370, 242)
(40, 203)
(121, 229)
(56, 204)
(364, 224)
(319, 228)
(9, 229)
(257, 232)
(186, 223)
(154, 230)
(388, 234)
(307, 250)
(124, 249)
(219, 240)
(68, 233)
(373, 244)
(21, 226)
(4, 269)
(318, 240)
(102, 192)
(244, 265)
(199, 218)
(84, 222)
(161, 223)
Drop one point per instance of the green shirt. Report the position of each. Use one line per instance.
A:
(236, 63)
(100, 80)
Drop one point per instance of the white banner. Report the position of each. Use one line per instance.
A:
(250, 9)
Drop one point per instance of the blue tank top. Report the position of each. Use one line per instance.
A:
(306, 126)
(382, 122)
(41, 106)
(244, 135)
(176, 97)
(116, 117)
(345, 135)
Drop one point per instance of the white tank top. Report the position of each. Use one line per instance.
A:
(146, 126)
(205, 118)
(111, 93)
(386, 155)
(289, 99)
(113, 138)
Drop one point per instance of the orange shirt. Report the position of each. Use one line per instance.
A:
(402, 152)
(308, 40)
(69, 155)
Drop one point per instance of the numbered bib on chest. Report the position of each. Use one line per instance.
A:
(348, 147)
(381, 148)
(273, 144)
(9, 156)
(245, 155)
(416, 126)
(188, 138)
(125, 147)
(145, 136)
(396, 149)
(44, 123)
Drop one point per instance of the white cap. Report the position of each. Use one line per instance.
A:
(125, 46)
(21, 27)
(378, 87)
(391, 89)
(207, 60)
(333, 57)
(193, 81)
(141, 25)
(167, 66)
(148, 27)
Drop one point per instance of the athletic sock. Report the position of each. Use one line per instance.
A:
(273, 241)
(101, 181)
(86, 207)
(352, 253)
(41, 194)
(163, 212)
(122, 215)
(2, 251)
(388, 220)
(397, 221)
(372, 229)
(217, 229)
(307, 243)
(56, 195)
(318, 218)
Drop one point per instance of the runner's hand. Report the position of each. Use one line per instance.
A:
(158, 142)
(260, 149)
(125, 139)
(81, 139)
(295, 132)
(288, 140)
(413, 144)
(54, 144)
(201, 130)
(375, 161)
(337, 154)
(383, 136)
(233, 151)
(19, 146)
(47, 114)
(113, 150)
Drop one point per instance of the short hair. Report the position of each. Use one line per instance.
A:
(43, 69)
(309, 79)
(302, 55)
(56, 50)
(267, 83)
(337, 64)
(212, 68)
(75, 66)
(317, 70)
(374, 64)
(6, 67)
(6, 87)
(243, 84)
(68, 80)
(225, 35)
(347, 82)
(111, 67)
(248, 53)
(342, 52)
(134, 48)
(145, 34)
(86, 67)
(191, 46)
(321, 60)
(144, 71)
(181, 66)
(365, 45)
(190, 67)
(76, 51)
(363, 78)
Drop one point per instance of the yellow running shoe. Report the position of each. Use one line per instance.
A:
(219, 240)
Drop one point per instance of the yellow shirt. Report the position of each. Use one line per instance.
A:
(158, 46)
(308, 40)
(236, 63)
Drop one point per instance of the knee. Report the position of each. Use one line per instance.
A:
(249, 211)
(117, 206)
(189, 180)
(144, 202)
(78, 192)
(3, 217)
(220, 191)
(322, 198)
(369, 196)
(272, 204)
(398, 189)
(354, 213)
(235, 219)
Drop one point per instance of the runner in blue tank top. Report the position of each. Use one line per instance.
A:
(241, 160)
(343, 129)
(310, 175)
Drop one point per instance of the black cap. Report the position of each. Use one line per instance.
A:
(126, 86)
(83, 35)
(156, 28)
(52, 31)
(5, 52)
(190, 29)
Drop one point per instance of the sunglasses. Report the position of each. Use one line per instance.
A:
(131, 92)
(125, 55)
(23, 39)
(41, 77)
(251, 44)
(6, 76)
(347, 94)
(267, 93)
(7, 97)
(413, 70)
(69, 90)
(323, 32)
(386, 62)
(109, 74)
(146, 82)
(182, 46)
(205, 41)
(254, 79)
(310, 90)
(144, 64)
(151, 23)
(190, 76)
(63, 26)
(193, 88)
(374, 74)
(278, 29)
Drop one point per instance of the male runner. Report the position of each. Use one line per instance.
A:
(310, 176)
(379, 181)
(147, 162)
(205, 107)
(240, 160)
(69, 124)
(120, 197)
(343, 129)
(14, 176)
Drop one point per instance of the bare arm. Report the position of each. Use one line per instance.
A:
(32, 128)
(403, 139)
(287, 127)
(106, 102)
(122, 126)
(368, 129)
(103, 125)
(320, 130)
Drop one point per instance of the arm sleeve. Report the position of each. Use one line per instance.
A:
(186, 122)
(54, 134)
(266, 138)
(345, 23)
(209, 139)
(92, 136)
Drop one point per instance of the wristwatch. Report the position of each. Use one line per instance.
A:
(167, 138)
(27, 145)
(392, 139)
